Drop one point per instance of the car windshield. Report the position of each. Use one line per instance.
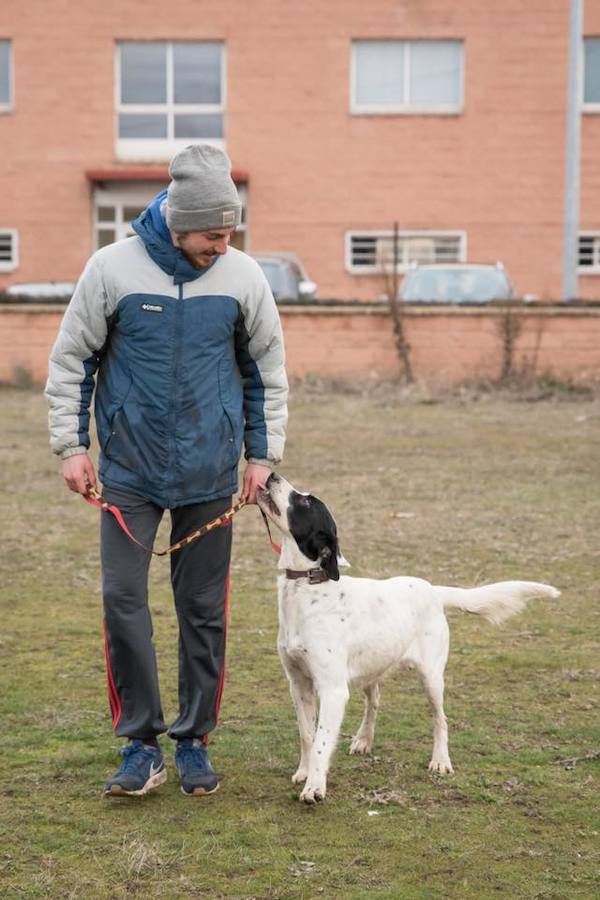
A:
(280, 278)
(456, 284)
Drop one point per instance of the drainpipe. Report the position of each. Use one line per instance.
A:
(572, 151)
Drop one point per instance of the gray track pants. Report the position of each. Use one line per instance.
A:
(200, 579)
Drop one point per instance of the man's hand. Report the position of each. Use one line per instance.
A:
(78, 472)
(254, 476)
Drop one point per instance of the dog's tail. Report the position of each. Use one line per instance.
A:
(495, 602)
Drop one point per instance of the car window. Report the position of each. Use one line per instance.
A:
(468, 284)
(280, 279)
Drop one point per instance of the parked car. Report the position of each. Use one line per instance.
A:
(456, 283)
(42, 290)
(286, 276)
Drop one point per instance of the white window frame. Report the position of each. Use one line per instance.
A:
(594, 269)
(13, 263)
(10, 105)
(164, 148)
(588, 107)
(406, 109)
(119, 197)
(135, 194)
(378, 269)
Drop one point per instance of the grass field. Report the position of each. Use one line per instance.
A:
(474, 488)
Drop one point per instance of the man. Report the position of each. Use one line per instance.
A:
(184, 336)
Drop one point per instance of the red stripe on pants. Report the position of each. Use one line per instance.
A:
(219, 693)
(113, 696)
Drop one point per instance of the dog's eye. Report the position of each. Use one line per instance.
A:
(303, 501)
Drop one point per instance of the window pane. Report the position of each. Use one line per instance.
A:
(592, 70)
(4, 71)
(131, 212)
(6, 247)
(586, 251)
(434, 73)
(192, 126)
(197, 74)
(106, 213)
(105, 237)
(143, 72)
(142, 125)
(379, 73)
(364, 251)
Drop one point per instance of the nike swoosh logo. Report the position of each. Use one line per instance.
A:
(155, 770)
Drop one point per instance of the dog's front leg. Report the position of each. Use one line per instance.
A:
(305, 703)
(332, 704)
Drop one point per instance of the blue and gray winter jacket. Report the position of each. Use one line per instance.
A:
(188, 364)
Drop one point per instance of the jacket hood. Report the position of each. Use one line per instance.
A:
(152, 229)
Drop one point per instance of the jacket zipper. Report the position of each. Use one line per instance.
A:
(172, 462)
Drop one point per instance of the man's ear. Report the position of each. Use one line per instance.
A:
(329, 562)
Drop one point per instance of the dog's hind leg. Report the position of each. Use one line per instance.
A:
(434, 685)
(305, 704)
(433, 655)
(332, 705)
(362, 742)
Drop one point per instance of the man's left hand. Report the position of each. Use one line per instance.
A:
(254, 476)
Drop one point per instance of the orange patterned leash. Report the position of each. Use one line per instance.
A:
(225, 518)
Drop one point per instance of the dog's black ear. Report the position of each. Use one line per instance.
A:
(328, 557)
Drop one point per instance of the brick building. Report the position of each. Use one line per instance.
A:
(340, 118)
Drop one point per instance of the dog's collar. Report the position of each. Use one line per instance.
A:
(315, 576)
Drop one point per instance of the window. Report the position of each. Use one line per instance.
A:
(372, 252)
(168, 94)
(591, 77)
(589, 253)
(5, 76)
(9, 244)
(117, 204)
(389, 76)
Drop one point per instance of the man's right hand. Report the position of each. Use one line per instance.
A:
(78, 472)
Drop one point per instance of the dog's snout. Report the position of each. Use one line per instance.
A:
(272, 479)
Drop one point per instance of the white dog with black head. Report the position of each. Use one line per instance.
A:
(340, 632)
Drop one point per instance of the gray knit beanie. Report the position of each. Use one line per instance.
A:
(202, 194)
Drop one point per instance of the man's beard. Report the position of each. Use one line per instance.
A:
(200, 260)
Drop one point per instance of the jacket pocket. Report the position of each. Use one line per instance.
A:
(232, 412)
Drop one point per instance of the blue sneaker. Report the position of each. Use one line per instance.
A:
(196, 775)
(141, 770)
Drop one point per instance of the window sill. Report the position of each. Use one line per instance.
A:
(158, 149)
(407, 111)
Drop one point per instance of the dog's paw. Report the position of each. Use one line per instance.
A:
(299, 776)
(311, 795)
(441, 766)
(360, 745)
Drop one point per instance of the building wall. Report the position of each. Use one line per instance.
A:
(447, 345)
(315, 171)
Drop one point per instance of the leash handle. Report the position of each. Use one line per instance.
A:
(96, 499)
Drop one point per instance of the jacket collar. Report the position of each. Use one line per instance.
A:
(152, 229)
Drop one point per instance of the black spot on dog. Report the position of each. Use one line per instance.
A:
(313, 528)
